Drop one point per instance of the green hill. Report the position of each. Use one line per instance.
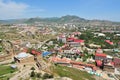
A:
(72, 73)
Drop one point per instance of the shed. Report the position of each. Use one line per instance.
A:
(46, 53)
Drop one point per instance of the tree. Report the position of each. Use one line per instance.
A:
(51, 76)
(24, 65)
(85, 51)
(32, 74)
(8, 78)
(84, 59)
(32, 68)
(46, 75)
(38, 75)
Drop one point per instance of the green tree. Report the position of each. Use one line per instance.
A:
(32, 68)
(8, 78)
(32, 74)
(45, 76)
(38, 75)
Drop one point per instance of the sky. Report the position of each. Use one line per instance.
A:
(88, 9)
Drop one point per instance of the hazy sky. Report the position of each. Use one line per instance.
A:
(89, 9)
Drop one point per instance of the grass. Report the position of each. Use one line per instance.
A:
(5, 71)
(72, 73)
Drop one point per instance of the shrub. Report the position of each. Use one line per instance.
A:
(13, 62)
(32, 68)
(32, 74)
(8, 78)
(11, 71)
(51, 76)
(38, 75)
(24, 65)
(46, 75)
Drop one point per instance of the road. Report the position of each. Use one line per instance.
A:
(6, 61)
(24, 73)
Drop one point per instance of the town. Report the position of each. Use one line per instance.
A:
(53, 51)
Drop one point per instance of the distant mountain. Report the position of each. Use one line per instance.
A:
(73, 19)
(13, 21)
(32, 20)
(70, 18)
(64, 19)
(3, 21)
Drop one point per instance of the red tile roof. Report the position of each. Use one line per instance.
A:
(70, 39)
(95, 68)
(109, 42)
(116, 60)
(77, 63)
(65, 60)
(79, 40)
(35, 52)
(59, 60)
(100, 54)
(99, 62)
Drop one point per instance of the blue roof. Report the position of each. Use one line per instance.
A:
(46, 53)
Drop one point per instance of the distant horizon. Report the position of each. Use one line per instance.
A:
(56, 17)
(88, 9)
